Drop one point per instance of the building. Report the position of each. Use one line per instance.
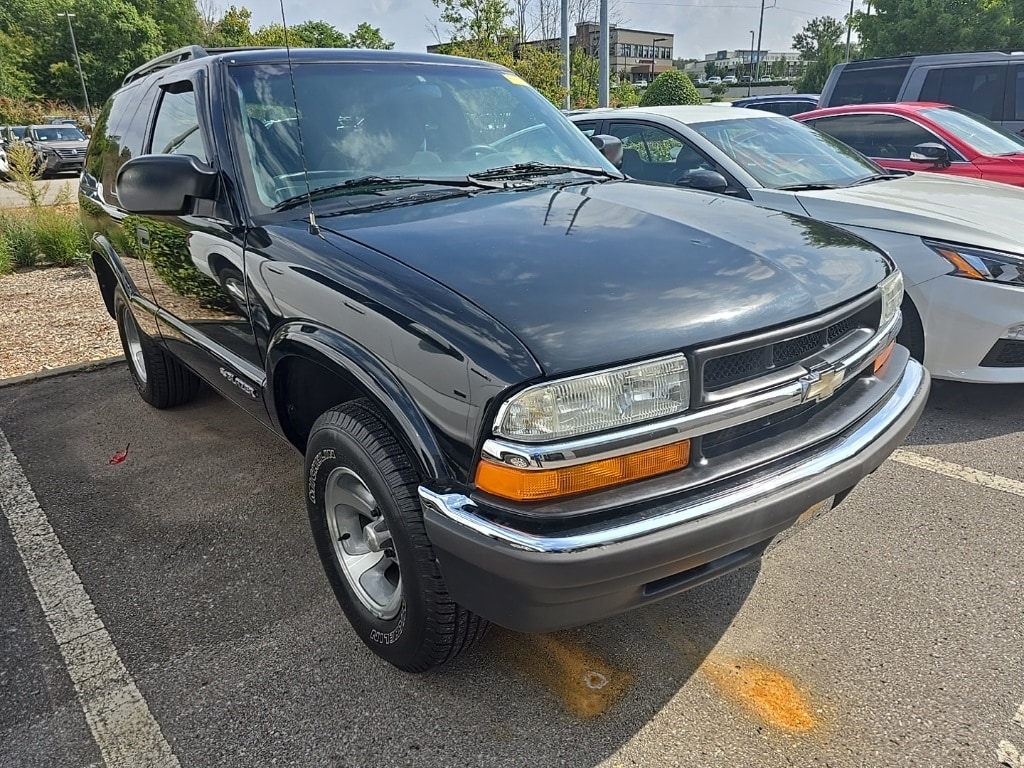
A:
(635, 55)
(742, 61)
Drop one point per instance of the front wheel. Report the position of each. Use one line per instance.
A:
(361, 494)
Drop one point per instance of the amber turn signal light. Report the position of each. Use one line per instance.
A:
(883, 358)
(541, 484)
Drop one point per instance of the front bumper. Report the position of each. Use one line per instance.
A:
(536, 583)
(963, 320)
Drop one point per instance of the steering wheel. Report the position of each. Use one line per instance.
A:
(473, 151)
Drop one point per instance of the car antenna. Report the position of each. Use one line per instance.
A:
(314, 229)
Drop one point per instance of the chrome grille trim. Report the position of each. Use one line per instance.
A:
(712, 418)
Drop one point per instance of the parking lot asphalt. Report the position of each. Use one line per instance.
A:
(170, 610)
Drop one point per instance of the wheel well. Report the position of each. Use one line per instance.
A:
(912, 334)
(302, 391)
(108, 283)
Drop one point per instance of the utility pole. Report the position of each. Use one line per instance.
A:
(760, 28)
(849, 27)
(78, 62)
(603, 66)
(654, 53)
(565, 51)
(751, 62)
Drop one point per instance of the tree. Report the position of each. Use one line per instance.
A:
(820, 44)
(670, 87)
(366, 36)
(897, 27)
(232, 30)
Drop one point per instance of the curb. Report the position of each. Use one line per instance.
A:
(92, 365)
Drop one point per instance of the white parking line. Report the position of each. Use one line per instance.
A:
(124, 729)
(958, 471)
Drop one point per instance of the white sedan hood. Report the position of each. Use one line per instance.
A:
(965, 211)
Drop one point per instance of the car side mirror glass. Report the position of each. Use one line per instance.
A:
(707, 181)
(165, 184)
(610, 147)
(930, 152)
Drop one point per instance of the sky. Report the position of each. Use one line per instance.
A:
(699, 26)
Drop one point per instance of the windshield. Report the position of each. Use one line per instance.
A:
(57, 133)
(780, 152)
(413, 120)
(986, 137)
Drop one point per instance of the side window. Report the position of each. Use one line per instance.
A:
(176, 129)
(882, 136)
(977, 89)
(790, 108)
(114, 141)
(1018, 93)
(653, 154)
(587, 129)
(868, 85)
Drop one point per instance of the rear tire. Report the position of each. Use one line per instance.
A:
(365, 514)
(160, 379)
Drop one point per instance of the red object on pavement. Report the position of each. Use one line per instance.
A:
(120, 456)
(886, 133)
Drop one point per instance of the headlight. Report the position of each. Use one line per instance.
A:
(892, 296)
(598, 401)
(980, 264)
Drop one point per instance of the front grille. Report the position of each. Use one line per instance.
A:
(1007, 353)
(733, 368)
(70, 154)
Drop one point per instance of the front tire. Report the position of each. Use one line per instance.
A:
(361, 494)
(160, 379)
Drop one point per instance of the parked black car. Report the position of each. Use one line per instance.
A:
(787, 104)
(528, 391)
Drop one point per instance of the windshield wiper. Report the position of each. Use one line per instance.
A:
(526, 170)
(806, 187)
(879, 177)
(371, 185)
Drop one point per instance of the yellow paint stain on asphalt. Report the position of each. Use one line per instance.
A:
(766, 692)
(586, 684)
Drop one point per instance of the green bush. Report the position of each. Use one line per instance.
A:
(60, 236)
(19, 240)
(6, 262)
(670, 87)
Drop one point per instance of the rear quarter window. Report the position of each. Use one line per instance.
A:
(977, 89)
(867, 85)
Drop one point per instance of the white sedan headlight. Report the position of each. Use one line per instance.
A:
(892, 296)
(594, 402)
(981, 264)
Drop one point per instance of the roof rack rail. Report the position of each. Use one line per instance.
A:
(167, 60)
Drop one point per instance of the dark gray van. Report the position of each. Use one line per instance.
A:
(988, 83)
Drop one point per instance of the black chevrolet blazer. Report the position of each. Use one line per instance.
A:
(528, 390)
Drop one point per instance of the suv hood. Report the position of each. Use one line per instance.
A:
(594, 274)
(965, 211)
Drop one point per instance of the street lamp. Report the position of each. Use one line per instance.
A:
(654, 52)
(751, 68)
(78, 62)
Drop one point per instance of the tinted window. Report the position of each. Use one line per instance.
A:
(588, 129)
(976, 89)
(176, 130)
(112, 141)
(1018, 88)
(883, 136)
(868, 85)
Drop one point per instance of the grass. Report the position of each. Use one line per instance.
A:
(36, 237)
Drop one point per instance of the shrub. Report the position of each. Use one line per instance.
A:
(60, 236)
(670, 87)
(6, 262)
(19, 237)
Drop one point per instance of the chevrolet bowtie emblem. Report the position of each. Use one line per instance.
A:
(821, 383)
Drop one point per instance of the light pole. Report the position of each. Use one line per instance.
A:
(760, 28)
(751, 67)
(849, 28)
(78, 62)
(654, 52)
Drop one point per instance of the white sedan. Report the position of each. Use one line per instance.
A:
(957, 241)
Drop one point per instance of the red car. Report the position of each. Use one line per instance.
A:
(921, 136)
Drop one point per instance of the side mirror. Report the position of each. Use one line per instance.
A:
(165, 184)
(707, 181)
(930, 152)
(610, 147)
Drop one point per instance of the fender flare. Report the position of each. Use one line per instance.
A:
(344, 357)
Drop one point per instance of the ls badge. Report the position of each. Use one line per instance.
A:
(821, 383)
